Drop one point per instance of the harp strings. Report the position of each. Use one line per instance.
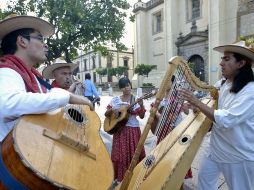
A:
(180, 69)
(172, 108)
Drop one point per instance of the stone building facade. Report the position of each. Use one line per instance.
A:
(191, 29)
(90, 61)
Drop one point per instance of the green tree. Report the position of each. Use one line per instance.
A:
(144, 70)
(2, 16)
(118, 72)
(101, 72)
(79, 24)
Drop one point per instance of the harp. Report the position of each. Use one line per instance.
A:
(165, 167)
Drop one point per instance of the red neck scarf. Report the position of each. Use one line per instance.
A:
(27, 74)
(55, 85)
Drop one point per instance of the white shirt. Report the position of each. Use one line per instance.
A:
(232, 138)
(117, 102)
(15, 101)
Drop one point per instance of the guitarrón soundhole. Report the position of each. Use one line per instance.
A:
(75, 115)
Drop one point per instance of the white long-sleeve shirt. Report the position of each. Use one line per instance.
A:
(15, 101)
(117, 103)
(232, 138)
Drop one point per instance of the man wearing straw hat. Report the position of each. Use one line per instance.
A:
(62, 72)
(22, 88)
(232, 137)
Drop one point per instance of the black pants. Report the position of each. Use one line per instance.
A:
(91, 98)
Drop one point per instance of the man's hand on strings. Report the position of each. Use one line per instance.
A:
(76, 99)
(188, 96)
(185, 108)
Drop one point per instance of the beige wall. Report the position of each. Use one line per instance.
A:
(218, 16)
(150, 47)
(222, 30)
(140, 46)
(118, 60)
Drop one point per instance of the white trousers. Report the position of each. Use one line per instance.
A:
(238, 176)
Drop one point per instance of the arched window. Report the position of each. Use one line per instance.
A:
(198, 66)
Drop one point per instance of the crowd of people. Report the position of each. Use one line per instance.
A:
(25, 91)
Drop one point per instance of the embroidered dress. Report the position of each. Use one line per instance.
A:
(125, 141)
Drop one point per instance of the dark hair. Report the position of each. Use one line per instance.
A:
(244, 76)
(123, 82)
(87, 76)
(9, 45)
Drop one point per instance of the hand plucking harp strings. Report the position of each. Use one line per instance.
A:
(173, 106)
(184, 79)
(195, 102)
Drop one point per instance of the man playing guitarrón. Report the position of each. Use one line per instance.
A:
(23, 46)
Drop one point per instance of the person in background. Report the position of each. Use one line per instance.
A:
(61, 72)
(231, 150)
(126, 139)
(22, 90)
(90, 91)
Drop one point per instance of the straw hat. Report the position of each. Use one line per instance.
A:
(240, 47)
(57, 63)
(14, 22)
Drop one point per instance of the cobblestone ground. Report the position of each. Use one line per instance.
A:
(189, 184)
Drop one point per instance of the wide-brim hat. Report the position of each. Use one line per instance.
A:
(58, 63)
(14, 22)
(239, 47)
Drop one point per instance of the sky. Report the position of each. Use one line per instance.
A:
(128, 38)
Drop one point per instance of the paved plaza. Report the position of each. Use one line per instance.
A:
(189, 184)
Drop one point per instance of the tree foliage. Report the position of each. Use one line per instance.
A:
(118, 72)
(80, 24)
(144, 70)
(101, 72)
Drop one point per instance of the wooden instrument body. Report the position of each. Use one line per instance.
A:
(114, 122)
(174, 159)
(40, 162)
(170, 167)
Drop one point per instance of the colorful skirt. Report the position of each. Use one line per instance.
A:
(123, 148)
